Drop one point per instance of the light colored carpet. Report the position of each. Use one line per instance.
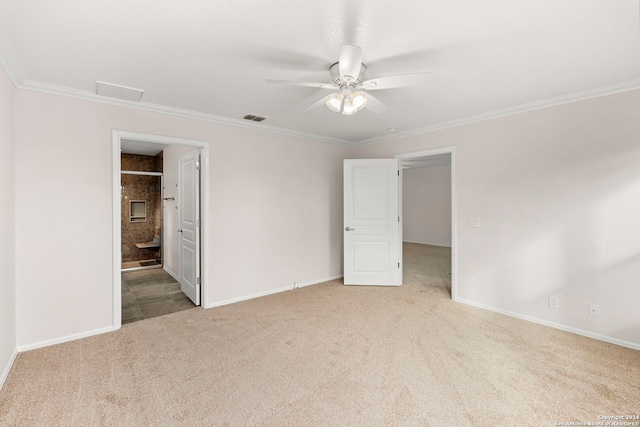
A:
(328, 355)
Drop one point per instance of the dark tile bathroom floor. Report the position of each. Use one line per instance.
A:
(138, 264)
(151, 293)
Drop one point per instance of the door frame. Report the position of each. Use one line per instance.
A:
(205, 267)
(454, 239)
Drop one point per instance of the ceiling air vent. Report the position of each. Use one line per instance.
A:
(254, 118)
(120, 92)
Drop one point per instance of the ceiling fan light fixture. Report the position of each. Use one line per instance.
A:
(335, 102)
(358, 100)
(347, 75)
(348, 108)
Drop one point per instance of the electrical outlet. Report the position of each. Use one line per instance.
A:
(594, 310)
(554, 302)
(474, 222)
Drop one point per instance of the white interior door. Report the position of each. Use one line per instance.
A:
(372, 227)
(189, 223)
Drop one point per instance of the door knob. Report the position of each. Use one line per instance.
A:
(349, 228)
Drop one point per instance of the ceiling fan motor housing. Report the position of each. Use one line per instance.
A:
(338, 80)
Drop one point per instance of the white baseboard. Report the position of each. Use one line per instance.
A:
(67, 338)
(7, 368)
(600, 337)
(274, 291)
(171, 273)
(427, 243)
(315, 282)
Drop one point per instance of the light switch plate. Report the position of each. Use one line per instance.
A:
(474, 222)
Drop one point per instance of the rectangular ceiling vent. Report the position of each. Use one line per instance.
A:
(254, 118)
(120, 92)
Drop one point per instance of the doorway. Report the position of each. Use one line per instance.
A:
(372, 199)
(436, 238)
(167, 234)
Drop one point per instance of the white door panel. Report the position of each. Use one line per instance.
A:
(372, 234)
(371, 257)
(189, 220)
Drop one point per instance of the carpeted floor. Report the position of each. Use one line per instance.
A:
(328, 355)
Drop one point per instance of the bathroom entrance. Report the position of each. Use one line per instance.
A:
(148, 290)
(159, 264)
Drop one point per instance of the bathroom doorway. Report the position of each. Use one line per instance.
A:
(147, 264)
(147, 289)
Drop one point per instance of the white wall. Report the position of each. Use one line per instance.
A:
(170, 225)
(426, 205)
(558, 194)
(557, 190)
(7, 226)
(276, 203)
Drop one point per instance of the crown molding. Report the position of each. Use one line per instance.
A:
(537, 105)
(162, 109)
(523, 108)
(20, 81)
(11, 64)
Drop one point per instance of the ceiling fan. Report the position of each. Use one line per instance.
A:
(348, 80)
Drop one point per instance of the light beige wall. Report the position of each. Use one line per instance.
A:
(170, 158)
(558, 194)
(275, 201)
(7, 226)
(426, 205)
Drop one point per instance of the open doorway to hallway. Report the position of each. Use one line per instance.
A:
(427, 214)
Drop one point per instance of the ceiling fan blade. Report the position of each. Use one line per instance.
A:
(315, 105)
(307, 84)
(396, 81)
(374, 104)
(349, 61)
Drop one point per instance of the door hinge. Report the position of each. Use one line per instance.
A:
(197, 281)
(398, 219)
(398, 265)
(398, 172)
(198, 165)
(198, 223)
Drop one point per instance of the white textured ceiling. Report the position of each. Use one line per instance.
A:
(212, 57)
